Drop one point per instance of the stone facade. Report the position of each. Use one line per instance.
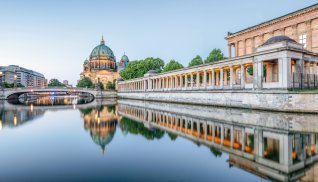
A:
(275, 101)
(284, 61)
(301, 26)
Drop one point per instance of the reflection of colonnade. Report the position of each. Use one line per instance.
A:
(276, 153)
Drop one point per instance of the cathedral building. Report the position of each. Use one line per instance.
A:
(101, 65)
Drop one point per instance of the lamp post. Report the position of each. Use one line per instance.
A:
(1, 74)
(97, 83)
(15, 80)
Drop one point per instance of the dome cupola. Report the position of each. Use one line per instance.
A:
(124, 58)
(102, 51)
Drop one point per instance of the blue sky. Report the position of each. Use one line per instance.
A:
(55, 37)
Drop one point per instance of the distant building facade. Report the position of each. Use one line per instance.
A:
(101, 65)
(301, 26)
(23, 76)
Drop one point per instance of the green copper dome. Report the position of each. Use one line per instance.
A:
(124, 58)
(102, 50)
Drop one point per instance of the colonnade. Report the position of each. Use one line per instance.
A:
(227, 77)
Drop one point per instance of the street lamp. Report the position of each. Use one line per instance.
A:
(1, 73)
(97, 84)
(15, 81)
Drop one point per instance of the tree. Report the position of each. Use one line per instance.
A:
(85, 83)
(100, 85)
(55, 83)
(196, 61)
(109, 85)
(215, 55)
(137, 69)
(172, 65)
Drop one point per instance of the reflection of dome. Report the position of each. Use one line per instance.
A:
(102, 140)
(102, 51)
(277, 39)
(101, 123)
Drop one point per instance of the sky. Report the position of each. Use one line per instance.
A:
(55, 37)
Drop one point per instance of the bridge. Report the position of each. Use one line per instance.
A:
(14, 93)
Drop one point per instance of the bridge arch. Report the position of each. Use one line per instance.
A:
(16, 93)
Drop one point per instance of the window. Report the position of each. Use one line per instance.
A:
(303, 40)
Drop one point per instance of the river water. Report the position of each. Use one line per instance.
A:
(70, 138)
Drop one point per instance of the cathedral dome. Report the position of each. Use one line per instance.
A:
(102, 51)
(124, 58)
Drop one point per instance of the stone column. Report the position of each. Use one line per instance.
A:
(244, 45)
(204, 79)
(212, 78)
(191, 82)
(176, 84)
(242, 76)
(231, 76)
(309, 35)
(186, 80)
(243, 139)
(198, 79)
(296, 38)
(222, 134)
(171, 82)
(230, 51)
(167, 82)
(213, 132)
(181, 81)
(236, 49)
(232, 136)
(221, 78)
(253, 44)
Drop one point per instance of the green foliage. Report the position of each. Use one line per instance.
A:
(196, 61)
(215, 152)
(85, 83)
(86, 111)
(215, 55)
(172, 65)
(10, 85)
(111, 85)
(172, 136)
(134, 127)
(55, 83)
(100, 85)
(137, 69)
(249, 70)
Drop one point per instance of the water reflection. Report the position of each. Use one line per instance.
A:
(279, 146)
(100, 122)
(275, 146)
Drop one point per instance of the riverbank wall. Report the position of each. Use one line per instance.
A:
(278, 100)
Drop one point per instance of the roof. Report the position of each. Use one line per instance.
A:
(275, 19)
(280, 38)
